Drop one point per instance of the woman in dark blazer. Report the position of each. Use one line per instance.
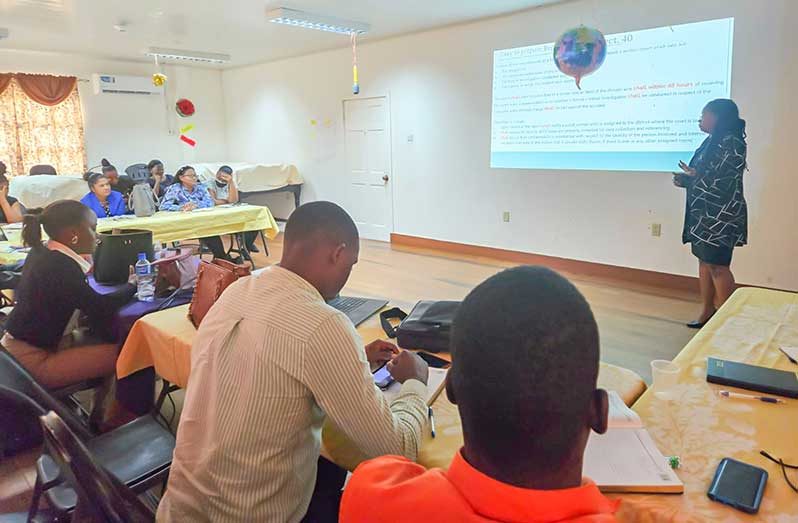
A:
(716, 214)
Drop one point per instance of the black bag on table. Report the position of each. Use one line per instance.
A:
(117, 251)
(427, 327)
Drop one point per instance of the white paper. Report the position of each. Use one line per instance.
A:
(620, 415)
(792, 352)
(435, 381)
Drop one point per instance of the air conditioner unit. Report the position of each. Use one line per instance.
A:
(116, 84)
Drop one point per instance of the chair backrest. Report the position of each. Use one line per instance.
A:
(13, 376)
(138, 172)
(101, 497)
(42, 169)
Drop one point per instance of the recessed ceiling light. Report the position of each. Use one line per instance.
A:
(286, 16)
(188, 56)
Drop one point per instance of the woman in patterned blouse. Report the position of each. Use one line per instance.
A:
(187, 194)
(716, 215)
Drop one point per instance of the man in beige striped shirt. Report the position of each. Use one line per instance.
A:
(271, 360)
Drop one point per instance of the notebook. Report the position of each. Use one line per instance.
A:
(752, 377)
(625, 458)
(435, 385)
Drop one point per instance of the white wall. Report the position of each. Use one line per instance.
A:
(439, 84)
(129, 129)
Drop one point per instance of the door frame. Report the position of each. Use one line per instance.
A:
(393, 178)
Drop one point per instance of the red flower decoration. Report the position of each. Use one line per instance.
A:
(184, 107)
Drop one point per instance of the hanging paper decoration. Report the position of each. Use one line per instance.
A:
(355, 85)
(186, 128)
(579, 52)
(184, 107)
(188, 140)
(158, 79)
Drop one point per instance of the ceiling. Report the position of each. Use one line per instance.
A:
(235, 27)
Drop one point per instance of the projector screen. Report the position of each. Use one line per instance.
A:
(638, 112)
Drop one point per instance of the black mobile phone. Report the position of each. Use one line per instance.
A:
(433, 361)
(738, 485)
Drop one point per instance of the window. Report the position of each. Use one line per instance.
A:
(32, 133)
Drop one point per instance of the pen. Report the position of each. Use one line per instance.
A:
(788, 356)
(431, 421)
(766, 399)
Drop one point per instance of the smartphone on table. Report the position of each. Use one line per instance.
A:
(738, 485)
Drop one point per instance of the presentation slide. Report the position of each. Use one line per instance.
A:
(638, 112)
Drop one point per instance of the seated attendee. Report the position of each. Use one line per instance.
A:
(187, 194)
(54, 292)
(10, 209)
(158, 180)
(101, 199)
(120, 183)
(224, 191)
(525, 359)
(271, 360)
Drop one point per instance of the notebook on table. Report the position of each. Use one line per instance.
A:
(435, 385)
(625, 458)
(752, 377)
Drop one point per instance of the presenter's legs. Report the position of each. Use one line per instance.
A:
(708, 291)
(723, 281)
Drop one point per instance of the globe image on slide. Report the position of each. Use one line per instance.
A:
(579, 52)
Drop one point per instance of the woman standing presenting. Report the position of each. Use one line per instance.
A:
(716, 215)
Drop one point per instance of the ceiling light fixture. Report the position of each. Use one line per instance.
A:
(187, 56)
(286, 16)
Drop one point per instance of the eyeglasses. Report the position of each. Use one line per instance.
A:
(784, 467)
(190, 176)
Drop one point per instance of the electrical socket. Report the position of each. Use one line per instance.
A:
(656, 230)
(506, 216)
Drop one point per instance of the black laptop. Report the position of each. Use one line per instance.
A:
(356, 309)
(752, 377)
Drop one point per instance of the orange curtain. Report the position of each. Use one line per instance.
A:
(32, 133)
(45, 89)
(5, 79)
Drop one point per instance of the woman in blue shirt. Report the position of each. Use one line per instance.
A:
(187, 194)
(101, 199)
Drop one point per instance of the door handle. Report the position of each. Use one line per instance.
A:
(385, 178)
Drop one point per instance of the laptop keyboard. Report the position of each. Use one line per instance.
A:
(347, 304)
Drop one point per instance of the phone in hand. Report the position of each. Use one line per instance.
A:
(738, 485)
(383, 378)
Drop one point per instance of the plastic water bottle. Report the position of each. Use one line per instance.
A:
(145, 278)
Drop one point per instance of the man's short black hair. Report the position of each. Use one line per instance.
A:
(321, 221)
(525, 352)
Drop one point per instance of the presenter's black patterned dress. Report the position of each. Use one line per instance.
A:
(716, 215)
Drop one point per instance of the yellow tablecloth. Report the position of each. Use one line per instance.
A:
(170, 226)
(176, 226)
(702, 428)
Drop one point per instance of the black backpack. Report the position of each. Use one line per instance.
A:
(428, 326)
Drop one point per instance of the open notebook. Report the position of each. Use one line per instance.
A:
(435, 384)
(625, 458)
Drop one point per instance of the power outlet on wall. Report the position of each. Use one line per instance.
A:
(656, 230)
(506, 216)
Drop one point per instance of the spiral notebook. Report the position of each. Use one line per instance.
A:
(625, 458)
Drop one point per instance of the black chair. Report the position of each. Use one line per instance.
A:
(139, 454)
(138, 172)
(101, 497)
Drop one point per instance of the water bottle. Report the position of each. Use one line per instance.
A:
(145, 278)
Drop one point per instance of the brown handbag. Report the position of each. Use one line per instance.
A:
(212, 279)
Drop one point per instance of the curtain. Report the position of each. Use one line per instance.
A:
(33, 132)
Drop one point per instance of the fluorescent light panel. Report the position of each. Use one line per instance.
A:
(188, 56)
(286, 16)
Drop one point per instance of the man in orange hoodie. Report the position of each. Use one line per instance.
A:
(525, 352)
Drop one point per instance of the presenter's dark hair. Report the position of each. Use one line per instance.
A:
(153, 164)
(728, 118)
(525, 360)
(54, 218)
